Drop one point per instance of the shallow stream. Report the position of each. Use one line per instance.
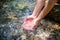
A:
(11, 18)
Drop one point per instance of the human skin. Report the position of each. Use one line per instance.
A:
(42, 8)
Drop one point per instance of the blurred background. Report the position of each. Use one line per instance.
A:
(12, 13)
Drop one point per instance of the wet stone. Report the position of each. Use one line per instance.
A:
(23, 37)
(37, 37)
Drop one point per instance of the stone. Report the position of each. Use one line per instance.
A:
(37, 37)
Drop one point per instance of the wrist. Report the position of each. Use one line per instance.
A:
(33, 16)
(38, 19)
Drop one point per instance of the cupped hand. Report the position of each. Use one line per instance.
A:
(30, 23)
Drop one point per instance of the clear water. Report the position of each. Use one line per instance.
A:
(15, 11)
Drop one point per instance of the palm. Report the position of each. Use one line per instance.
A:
(30, 23)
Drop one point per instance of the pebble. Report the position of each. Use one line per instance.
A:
(37, 37)
(23, 37)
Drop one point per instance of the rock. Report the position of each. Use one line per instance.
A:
(37, 37)
(23, 37)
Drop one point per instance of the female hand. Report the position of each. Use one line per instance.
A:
(30, 23)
